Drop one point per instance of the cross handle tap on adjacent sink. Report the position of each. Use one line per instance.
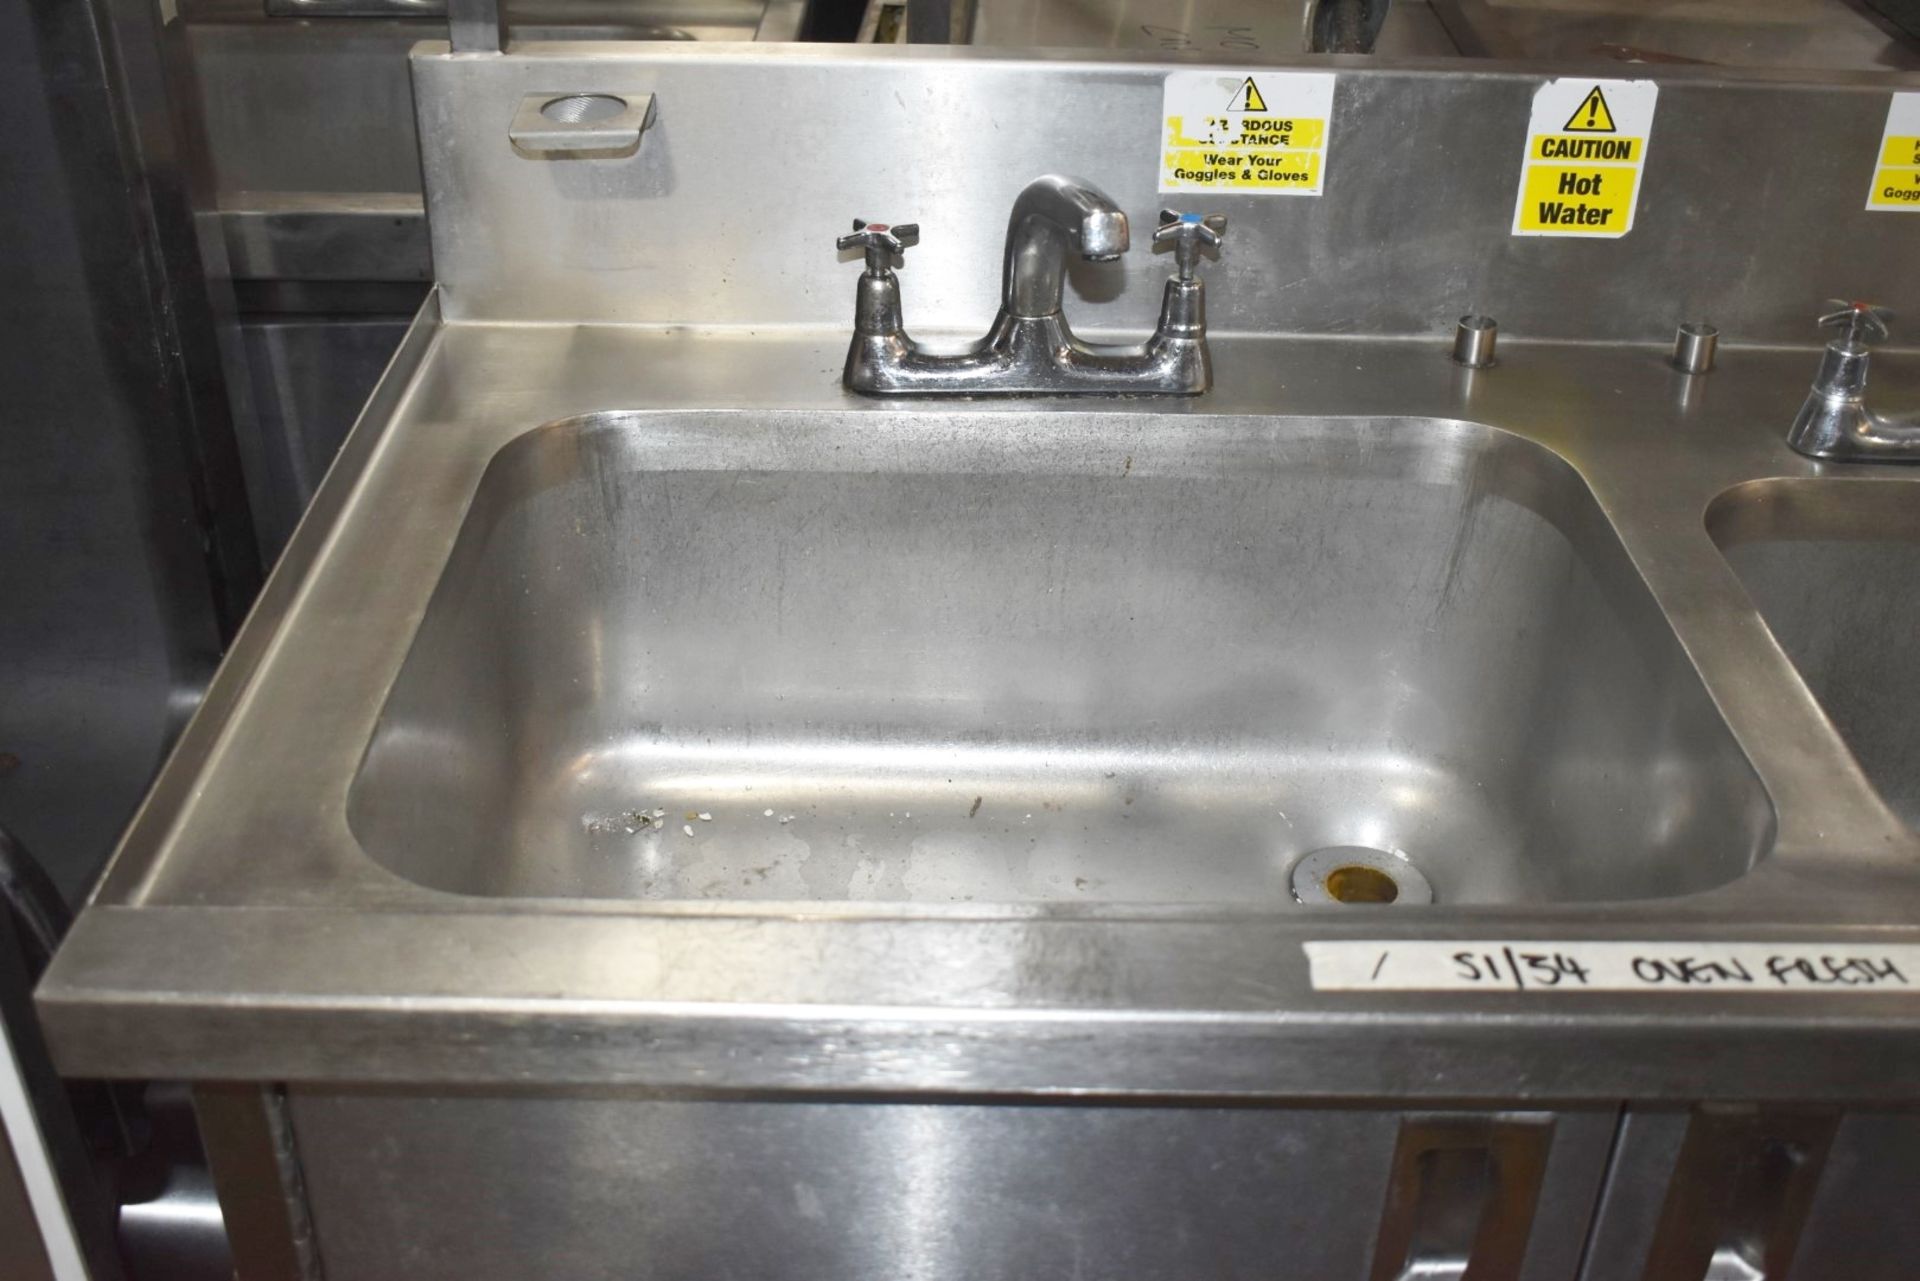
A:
(1835, 422)
(1864, 322)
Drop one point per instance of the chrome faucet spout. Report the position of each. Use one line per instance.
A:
(1051, 215)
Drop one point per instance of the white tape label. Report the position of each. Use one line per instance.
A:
(1399, 965)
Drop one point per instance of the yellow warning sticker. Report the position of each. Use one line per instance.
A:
(1586, 147)
(1896, 179)
(1265, 133)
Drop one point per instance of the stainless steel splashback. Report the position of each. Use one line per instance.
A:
(1750, 212)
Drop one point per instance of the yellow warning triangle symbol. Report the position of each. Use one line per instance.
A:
(1247, 98)
(1591, 116)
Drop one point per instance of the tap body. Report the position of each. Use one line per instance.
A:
(1030, 349)
(1834, 422)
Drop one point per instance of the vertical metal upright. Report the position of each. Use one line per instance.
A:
(129, 547)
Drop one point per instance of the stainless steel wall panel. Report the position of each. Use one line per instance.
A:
(1413, 229)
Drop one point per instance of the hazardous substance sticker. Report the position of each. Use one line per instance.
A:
(1265, 133)
(1896, 173)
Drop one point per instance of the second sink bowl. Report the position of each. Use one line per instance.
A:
(1103, 659)
(1834, 567)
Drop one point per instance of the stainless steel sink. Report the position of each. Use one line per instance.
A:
(1053, 695)
(1359, 597)
(1834, 567)
(1041, 667)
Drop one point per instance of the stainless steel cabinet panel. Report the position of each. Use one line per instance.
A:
(1832, 1193)
(561, 1186)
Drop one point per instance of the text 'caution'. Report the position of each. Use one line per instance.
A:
(1586, 147)
(1896, 173)
(1264, 133)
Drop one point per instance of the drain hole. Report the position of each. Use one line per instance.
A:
(1359, 874)
(583, 108)
(1357, 884)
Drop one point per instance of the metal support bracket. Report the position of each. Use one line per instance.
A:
(594, 125)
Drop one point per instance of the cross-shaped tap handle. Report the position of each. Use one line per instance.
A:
(883, 242)
(1189, 232)
(1863, 322)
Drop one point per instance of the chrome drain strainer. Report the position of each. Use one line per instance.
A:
(1356, 874)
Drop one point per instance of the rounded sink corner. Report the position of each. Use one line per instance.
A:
(1802, 508)
(1831, 567)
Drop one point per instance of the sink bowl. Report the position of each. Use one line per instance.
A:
(1834, 567)
(1102, 659)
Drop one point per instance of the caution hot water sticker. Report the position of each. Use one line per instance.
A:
(1896, 175)
(1264, 133)
(1586, 147)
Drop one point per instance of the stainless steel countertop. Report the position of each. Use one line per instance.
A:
(243, 933)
